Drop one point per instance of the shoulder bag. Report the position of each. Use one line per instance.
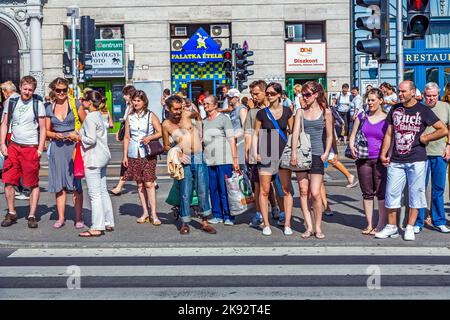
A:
(154, 147)
(304, 152)
(361, 145)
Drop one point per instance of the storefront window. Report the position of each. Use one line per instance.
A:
(439, 37)
(408, 44)
(301, 32)
(440, 8)
(432, 75)
(409, 74)
(446, 75)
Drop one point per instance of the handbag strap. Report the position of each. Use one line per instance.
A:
(361, 123)
(275, 123)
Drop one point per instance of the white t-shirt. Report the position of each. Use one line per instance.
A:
(391, 98)
(24, 129)
(343, 102)
(297, 103)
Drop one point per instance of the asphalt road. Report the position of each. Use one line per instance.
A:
(233, 273)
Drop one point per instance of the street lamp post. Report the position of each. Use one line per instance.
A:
(74, 13)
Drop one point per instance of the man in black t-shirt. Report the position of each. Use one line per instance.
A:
(407, 122)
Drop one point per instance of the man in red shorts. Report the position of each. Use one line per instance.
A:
(25, 115)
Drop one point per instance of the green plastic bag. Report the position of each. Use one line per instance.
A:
(173, 197)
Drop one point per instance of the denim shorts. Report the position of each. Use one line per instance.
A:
(397, 175)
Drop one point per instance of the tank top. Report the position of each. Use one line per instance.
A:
(315, 130)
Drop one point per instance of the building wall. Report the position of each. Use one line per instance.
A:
(260, 22)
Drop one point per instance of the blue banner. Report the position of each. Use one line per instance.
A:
(200, 48)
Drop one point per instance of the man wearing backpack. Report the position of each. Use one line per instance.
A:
(25, 115)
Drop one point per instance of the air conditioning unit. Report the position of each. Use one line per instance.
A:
(110, 33)
(180, 31)
(290, 32)
(220, 30)
(223, 43)
(177, 44)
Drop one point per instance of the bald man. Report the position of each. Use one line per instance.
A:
(407, 122)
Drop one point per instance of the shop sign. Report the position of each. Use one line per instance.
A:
(200, 48)
(107, 59)
(420, 58)
(303, 57)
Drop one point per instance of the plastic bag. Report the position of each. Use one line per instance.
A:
(78, 164)
(239, 191)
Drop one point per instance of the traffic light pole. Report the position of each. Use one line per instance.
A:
(234, 46)
(400, 62)
(74, 56)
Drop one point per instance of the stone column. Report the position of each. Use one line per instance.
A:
(34, 10)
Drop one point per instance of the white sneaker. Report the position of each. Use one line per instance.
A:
(443, 228)
(22, 196)
(409, 233)
(266, 231)
(288, 231)
(417, 229)
(388, 231)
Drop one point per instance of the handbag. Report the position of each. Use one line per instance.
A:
(304, 152)
(78, 163)
(361, 145)
(154, 147)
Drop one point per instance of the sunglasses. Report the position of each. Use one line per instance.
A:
(61, 90)
(271, 93)
(307, 94)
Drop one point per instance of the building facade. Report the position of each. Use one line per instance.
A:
(144, 43)
(424, 60)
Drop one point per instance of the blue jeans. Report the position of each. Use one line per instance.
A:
(196, 169)
(438, 167)
(218, 190)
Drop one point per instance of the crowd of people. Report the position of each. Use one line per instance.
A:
(396, 142)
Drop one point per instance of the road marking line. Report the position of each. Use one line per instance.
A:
(228, 270)
(228, 293)
(226, 251)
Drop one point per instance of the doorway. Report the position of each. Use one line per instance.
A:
(196, 88)
(292, 80)
(9, 56)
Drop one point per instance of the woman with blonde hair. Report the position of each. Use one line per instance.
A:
(63, 116)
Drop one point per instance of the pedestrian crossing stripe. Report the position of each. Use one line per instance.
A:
(229, 252)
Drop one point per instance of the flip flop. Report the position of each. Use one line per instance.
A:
(319, 235)
(307, 234)
(89, 234)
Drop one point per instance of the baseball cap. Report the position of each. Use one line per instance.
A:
(233, 93)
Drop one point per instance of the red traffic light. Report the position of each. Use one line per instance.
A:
(227, 55)
(418, 5)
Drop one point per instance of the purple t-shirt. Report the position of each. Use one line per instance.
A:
(374, 133)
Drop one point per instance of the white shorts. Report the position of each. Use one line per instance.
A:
(397, 175)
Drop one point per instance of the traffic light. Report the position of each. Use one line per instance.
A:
(418, 19)
(87, 34)
(378, 24)
(242, 63)
(227, 64)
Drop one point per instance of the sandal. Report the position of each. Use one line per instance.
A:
(307, 234)
(143, 219)
(89, 234)
(319, 235)
(367, 231)
(109, 229)
(155, 221)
